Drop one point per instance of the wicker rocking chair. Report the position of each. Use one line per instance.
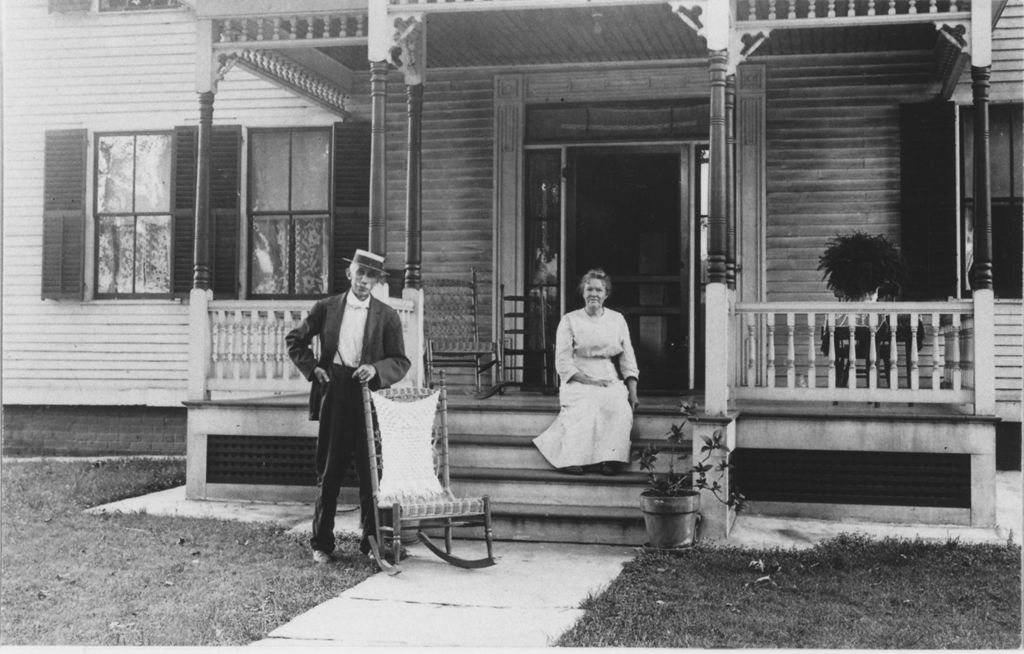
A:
(407, 434)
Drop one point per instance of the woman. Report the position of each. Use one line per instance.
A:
(592, 428)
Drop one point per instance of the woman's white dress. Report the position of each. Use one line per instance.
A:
(594, 422)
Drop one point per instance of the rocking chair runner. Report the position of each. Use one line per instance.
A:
(410, 476)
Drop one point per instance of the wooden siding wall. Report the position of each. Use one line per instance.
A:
(457, 180)
(104, 72)
(1009, 359)
(833, 158)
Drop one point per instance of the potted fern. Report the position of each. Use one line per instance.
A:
(857, 266)
(671, 501)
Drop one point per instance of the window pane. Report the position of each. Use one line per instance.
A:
(270, 171)
(115, 256)
(153, 173)
(114, 173)
(270, 255)
(153, 249)
(311, 252)
(311, 156)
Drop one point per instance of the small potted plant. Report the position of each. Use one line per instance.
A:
(671, 501)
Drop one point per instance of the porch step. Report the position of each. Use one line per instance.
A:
(518, 452)
(607, 525)
(548, 487)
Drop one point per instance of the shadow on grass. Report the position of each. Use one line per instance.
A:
(849, 592)
(69, 578)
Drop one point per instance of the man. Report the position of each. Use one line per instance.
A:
(361, 340)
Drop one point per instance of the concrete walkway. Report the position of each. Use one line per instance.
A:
(534, 592)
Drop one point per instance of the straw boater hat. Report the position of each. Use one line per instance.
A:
(368, 260)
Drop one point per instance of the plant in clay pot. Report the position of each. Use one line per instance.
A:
(857, 265)
(671, 501)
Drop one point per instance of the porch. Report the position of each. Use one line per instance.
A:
(918, 377)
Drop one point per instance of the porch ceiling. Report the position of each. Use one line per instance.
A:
(617, 34)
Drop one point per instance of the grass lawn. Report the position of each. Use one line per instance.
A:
(846, 593)
(68, 578)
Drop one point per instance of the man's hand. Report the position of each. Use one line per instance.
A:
(364, 373)
(321, 375)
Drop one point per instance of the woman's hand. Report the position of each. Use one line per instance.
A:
(581, 378)
(634, 402)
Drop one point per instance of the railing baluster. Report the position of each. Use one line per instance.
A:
(894, 353)
(851, 359)
(912, 9)
(933, 7)
(752, 10)
(954, 360)
(812, 370)
(872, 354)
(892, 7)
(830, 321)
(811, 9)
(216, 351)
(790, 350)
(871, 7)
(751, 351)
(915, 380)
(771, 9)
(792, 9)
(851, 8)
(770, 328)
(831, 8)
(933, 328)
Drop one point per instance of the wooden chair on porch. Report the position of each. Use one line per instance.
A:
(451, 326)
(407, 434)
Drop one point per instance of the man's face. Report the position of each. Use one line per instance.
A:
(363, 280)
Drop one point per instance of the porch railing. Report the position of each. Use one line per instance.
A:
(810, 10)
(239, 348)
(920, 352)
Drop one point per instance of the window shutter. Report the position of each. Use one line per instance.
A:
(928, 199)
(64, 214)
(351, 195)
(226, 147)
(224, 179)
(186, 147)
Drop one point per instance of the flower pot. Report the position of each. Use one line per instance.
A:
(671, 520)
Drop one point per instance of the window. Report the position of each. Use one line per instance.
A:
(289, 212)
(134, 227)
(1006, 147)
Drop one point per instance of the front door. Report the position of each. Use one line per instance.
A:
(625, 214)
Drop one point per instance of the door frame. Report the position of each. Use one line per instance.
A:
(688, 223)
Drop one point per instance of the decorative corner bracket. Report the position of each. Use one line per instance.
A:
(690, 11)
(956, 32)
(409, 52)
(278, 69)
(743, 44)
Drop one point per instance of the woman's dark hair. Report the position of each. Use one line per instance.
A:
(599, 274)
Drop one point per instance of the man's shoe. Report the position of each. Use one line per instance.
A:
(322, 557)
(571, 470)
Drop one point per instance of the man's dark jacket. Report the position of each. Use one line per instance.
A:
(383, 346)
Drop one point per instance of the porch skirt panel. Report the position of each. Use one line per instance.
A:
(592, 426)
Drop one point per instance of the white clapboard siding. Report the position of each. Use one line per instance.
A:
(103, 72)
(457, 180)
(1009, 358)
(822, 180)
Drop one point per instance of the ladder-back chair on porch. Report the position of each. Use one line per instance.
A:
(407, 435)
(451, 326)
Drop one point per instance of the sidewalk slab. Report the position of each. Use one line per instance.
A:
(528, 599)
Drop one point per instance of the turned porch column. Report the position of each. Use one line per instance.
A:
(201, 241)
(413, 187)
(980, 274)
(378, 144)
(730, 177)
(716, 307)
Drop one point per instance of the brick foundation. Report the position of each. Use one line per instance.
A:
(93, 430)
